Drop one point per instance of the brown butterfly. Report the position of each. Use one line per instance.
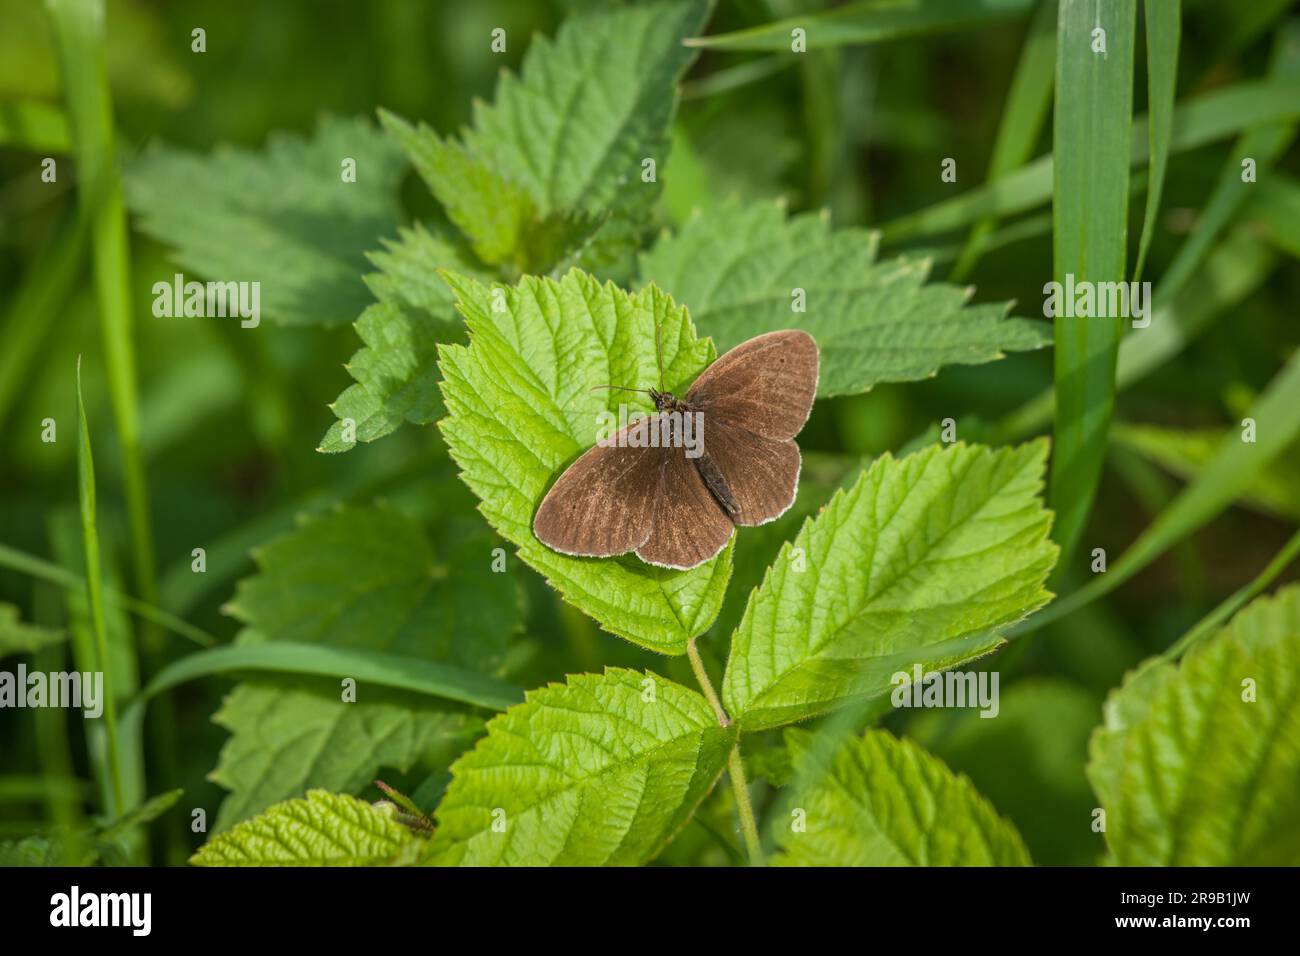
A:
(641, 491)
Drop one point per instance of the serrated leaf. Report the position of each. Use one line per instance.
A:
(492, 212)
(521, 408)
(1190, 771)
(1028, 763)
(598, 771)
(396, 372)
(925, 560)
(282, 216)
(372, 577)
(369, 578)
(574, 126)
(285, 740)
(19, 637)
(881, 801)
(324, 829)
(737, 269)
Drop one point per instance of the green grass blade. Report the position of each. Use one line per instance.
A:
(870, 22)
(1236, 269)
(1223, 479)
(1198, 121)
(1094, 103)
(1022, 120)
(95, 601)
(78, 27)
(1164, 27)
(1264, 145)
(1237, 600)
(431, 678)
(47, 571)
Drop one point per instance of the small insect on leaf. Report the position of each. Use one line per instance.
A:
(671, 486)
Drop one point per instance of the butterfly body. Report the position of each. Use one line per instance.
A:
(676, 505)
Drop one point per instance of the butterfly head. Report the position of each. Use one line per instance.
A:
(667, 401)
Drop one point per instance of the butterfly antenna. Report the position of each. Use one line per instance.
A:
(659, 353)
(621, 388)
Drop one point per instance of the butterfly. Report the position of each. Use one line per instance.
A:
(640, 491)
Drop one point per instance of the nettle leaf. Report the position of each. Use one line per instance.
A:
(397, 371)
(324, 829)
(598, 771)
(368, 578)
(283, 217)
(881, 801)
(521, 408)
(19, 637)
(588, 107)
(738, 268)
(1196, 763)
(550, 176)
(492, 212)
(285, 739)
(926, 559)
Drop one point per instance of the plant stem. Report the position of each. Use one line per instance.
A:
(748, 824)
(735, 768)
(706, 685)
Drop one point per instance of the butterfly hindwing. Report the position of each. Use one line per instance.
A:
(762, 474)
(689, 525)
(765, 385)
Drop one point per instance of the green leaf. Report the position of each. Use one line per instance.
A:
(737, 268)
(17, 637)
(1193, 772)
(396, 372)
(925, 560)
(521, 408)
(868, 22)
(493, 213)
(324, 829)
(372, 578)
(106, 843)
(1094, 105)
(549, 176)
(367, 579)
(574, 126)
(283, 216)
(287, 739)
(881, 801)
(598, 771)
(1164, 22)
(1028, 762)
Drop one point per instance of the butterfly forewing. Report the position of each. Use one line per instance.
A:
(765, 385)
(604, 502)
